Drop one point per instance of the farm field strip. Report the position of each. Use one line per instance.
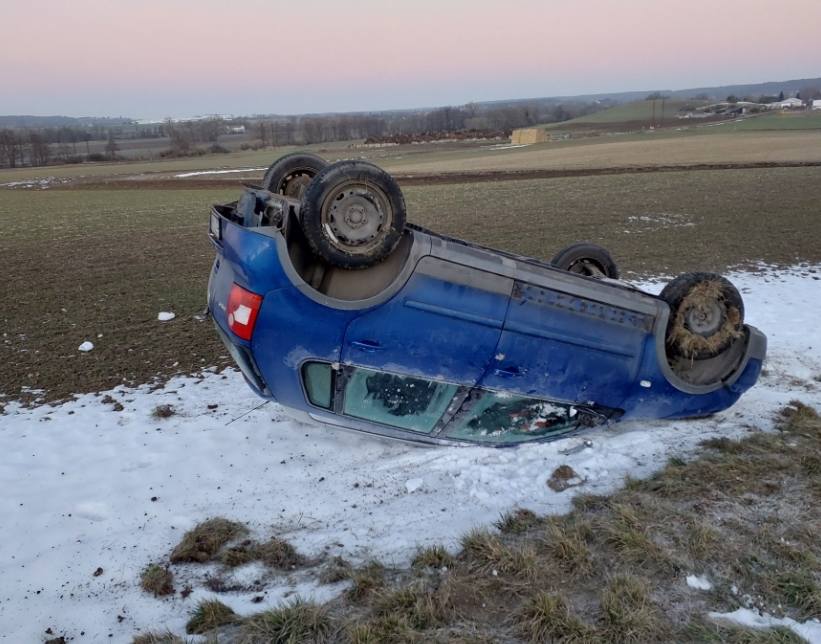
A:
(90, 262)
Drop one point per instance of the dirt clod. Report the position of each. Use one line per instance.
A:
(563, 477)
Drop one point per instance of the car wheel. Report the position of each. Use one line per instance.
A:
(586, 259)
(291, 174)
(706, 315)
(353, 214)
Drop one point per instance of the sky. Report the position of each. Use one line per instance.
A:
(160, 58)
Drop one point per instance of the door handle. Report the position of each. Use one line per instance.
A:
(369, 346)
(508, 372)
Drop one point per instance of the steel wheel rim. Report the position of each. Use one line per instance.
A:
(587, 267)
(705, 319)
(356, 217)
(295, 183)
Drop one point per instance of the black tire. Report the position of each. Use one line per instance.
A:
(706, 315)
(586, 259)
(291, 174)
(353, 214)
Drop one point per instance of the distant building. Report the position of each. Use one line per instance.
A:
(530, 135)
(237, 129)
(787, 103)
(816, 104)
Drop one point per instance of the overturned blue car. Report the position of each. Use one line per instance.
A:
(335, 307)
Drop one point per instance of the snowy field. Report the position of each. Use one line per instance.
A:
(88, 487)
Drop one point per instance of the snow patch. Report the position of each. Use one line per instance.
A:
(505, 146)
(748, 618)
(414, 484)
(699, 583)
(200, 173)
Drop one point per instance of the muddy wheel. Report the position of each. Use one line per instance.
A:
(291, 174)
(706, 315)
(353, 214)
(586, 259)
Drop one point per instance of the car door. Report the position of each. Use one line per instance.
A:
(444, 324)
(562, 345)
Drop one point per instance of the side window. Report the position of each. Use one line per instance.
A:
(399, 401)
(494, 417)
(318, 381)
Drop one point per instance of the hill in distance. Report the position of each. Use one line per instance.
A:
(772, 88)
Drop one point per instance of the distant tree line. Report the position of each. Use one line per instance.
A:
(302, 130)
(71, 144)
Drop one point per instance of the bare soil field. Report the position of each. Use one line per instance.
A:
(97, 262)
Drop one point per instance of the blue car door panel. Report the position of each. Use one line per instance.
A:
(444, 324)
(568, 347)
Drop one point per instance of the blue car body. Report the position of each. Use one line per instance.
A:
(454, 342)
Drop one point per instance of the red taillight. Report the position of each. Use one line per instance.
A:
(243, 308)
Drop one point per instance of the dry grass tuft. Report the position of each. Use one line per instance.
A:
(723, 444)
(163, 411)
(336, 570)
(517, 521)
(432, 557)
(628, 534)
(203, 542)
(586, 502)
(274, 553)
(238, 555)
(419, 608)
(292, 623)
(382, 630)
(485, 553)
(157, 580)
(277, 553)
(798, 588)
(701, 539)
(799, 418)
(627, 615)
(365, 581)
(546, 617)
(566, 540)
(209, 615)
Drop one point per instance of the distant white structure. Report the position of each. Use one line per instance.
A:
(816, 104)
(237, 129)
(787, 103)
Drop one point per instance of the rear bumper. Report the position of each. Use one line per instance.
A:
(245, 361)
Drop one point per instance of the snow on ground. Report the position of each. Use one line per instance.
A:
(42, 184)
(748, 618)
(699, 583)
(202, 172)
(505, 146)
(85, 486)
